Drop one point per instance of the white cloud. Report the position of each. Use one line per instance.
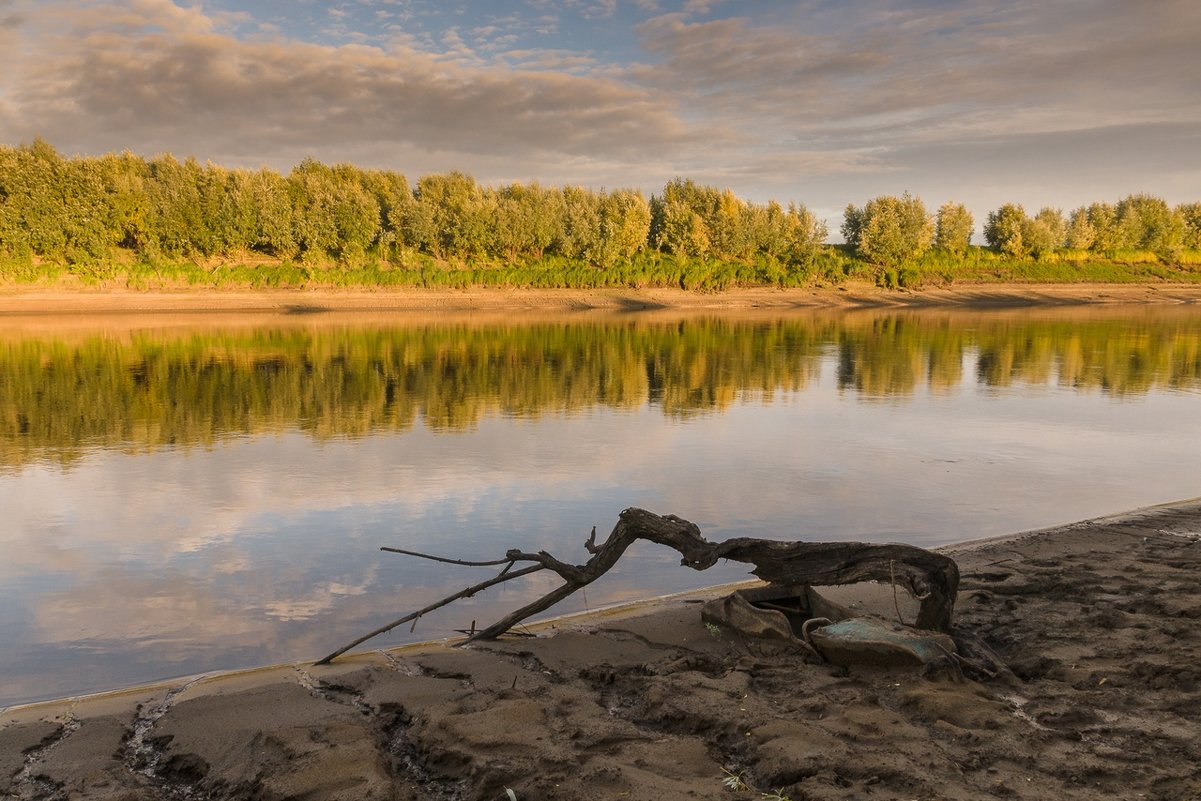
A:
(150, 76)
(824, 103)
(601, 9)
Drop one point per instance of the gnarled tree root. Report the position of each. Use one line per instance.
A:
(931, 578)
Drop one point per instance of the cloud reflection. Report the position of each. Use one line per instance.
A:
(132, 563)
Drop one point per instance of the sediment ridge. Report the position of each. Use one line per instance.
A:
(18, 300)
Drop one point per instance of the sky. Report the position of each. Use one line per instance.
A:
(821, 102)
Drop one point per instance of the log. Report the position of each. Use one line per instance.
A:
(931, 578)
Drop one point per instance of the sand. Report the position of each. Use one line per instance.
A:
(20, 300)
(1100, 622)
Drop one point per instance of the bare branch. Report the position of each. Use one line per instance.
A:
(505, 575)
(931, 578)
(447, 560)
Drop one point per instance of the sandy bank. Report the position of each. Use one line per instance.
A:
(1099, 620)
(22, 300)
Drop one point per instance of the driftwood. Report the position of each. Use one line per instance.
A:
(931, 578)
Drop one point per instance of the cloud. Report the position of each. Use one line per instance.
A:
(151, 76)
(1056, 168)
(549, 59)
(815, 100)
(920, 71)
(601, 9)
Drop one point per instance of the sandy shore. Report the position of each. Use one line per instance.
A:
(1100, 621)
(25, 300)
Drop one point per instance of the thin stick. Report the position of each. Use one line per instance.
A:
(448, 561)
(892, 575)
(466, 593)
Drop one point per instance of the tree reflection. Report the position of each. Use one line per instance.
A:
(60, 395)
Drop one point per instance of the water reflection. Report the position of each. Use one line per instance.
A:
(181, 497)
(146, 389)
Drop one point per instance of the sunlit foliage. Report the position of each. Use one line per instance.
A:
(1190, 217)
(121, 219)
(889, 230)
(953, 228)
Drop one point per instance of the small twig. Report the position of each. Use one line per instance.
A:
(431, 557)
(896, 604)
(464, 593)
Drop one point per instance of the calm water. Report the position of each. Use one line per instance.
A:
(178, 496)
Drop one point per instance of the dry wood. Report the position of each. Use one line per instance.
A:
(931, 578)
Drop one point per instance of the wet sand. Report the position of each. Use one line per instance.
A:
(27, 300)
(1100, 622)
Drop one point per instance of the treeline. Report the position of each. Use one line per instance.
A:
(895, 230)
(79, 210)
(60, 397)
(155, 221)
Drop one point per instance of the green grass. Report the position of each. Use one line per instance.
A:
(832, 265)
(983, 266)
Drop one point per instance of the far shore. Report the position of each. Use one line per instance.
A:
(18, 300)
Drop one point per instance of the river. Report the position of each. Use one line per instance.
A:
(181, 494)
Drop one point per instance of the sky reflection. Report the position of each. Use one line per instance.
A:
(135, 560)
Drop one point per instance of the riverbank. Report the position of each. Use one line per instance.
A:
(1100, 621)
(32, 301)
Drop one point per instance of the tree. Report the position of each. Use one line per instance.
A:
(771, 230)
(1146, 223)
(1190, 217)
(392, 195)
(272, 210)
(123, 178)
(1080, 233)
(889, 230)
(528, 219)
(358, 219)
(228, 205)
(852, 225)
(625, 222)
(953, 228)
(681, 230)
(312, 193)
(1044, 232)
(1005, 228)
(54, 207)
(333, 215)
(176, 224)
(731, 233)
(680, 218)
(579, 235)
(803, 235)
(452, 216)
(1103, 219)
